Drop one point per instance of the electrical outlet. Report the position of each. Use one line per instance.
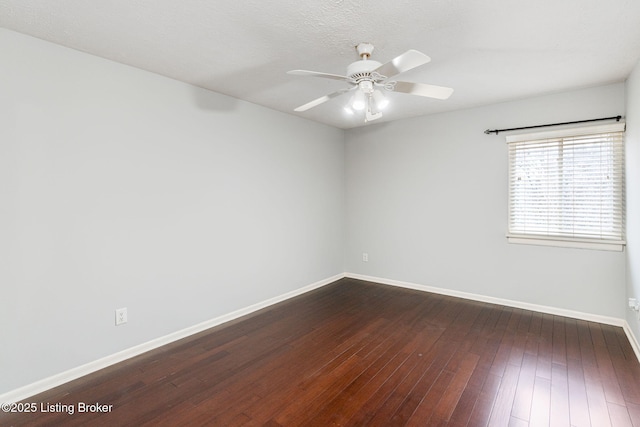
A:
(121, 316)
(365, 257)
(634, 305)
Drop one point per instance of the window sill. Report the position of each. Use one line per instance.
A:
(576, 244)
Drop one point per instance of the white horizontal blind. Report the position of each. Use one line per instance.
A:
(568, 185)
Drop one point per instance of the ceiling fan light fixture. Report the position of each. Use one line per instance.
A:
(358, 102)
(380, 100)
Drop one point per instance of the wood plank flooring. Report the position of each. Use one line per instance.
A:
(355, 353)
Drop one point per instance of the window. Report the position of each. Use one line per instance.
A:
(566, 188)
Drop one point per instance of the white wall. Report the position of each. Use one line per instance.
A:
(632, 156)
(427, 200)
(121, 188)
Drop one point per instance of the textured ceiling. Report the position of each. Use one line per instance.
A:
(488, 51)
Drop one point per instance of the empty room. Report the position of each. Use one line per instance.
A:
(320, 213)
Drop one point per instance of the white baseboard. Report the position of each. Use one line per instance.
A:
(500, 301)
(88, 368)
(632, 339)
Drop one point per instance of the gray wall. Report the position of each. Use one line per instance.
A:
(121, 188)
(632, 142)
(427, 200)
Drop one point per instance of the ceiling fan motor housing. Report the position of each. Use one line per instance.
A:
(361, 70)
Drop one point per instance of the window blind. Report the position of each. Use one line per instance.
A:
(568, 185)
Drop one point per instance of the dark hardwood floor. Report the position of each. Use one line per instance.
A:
(361, 354)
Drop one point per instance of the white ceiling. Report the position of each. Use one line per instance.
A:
(488, 51)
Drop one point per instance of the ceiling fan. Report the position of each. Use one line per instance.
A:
(367, 78)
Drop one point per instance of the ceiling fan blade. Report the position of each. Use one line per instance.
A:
(323, 99)
(318, 74)
(405, 62)
(422, 89)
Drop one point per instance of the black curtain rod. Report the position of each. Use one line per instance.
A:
(496, 131)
